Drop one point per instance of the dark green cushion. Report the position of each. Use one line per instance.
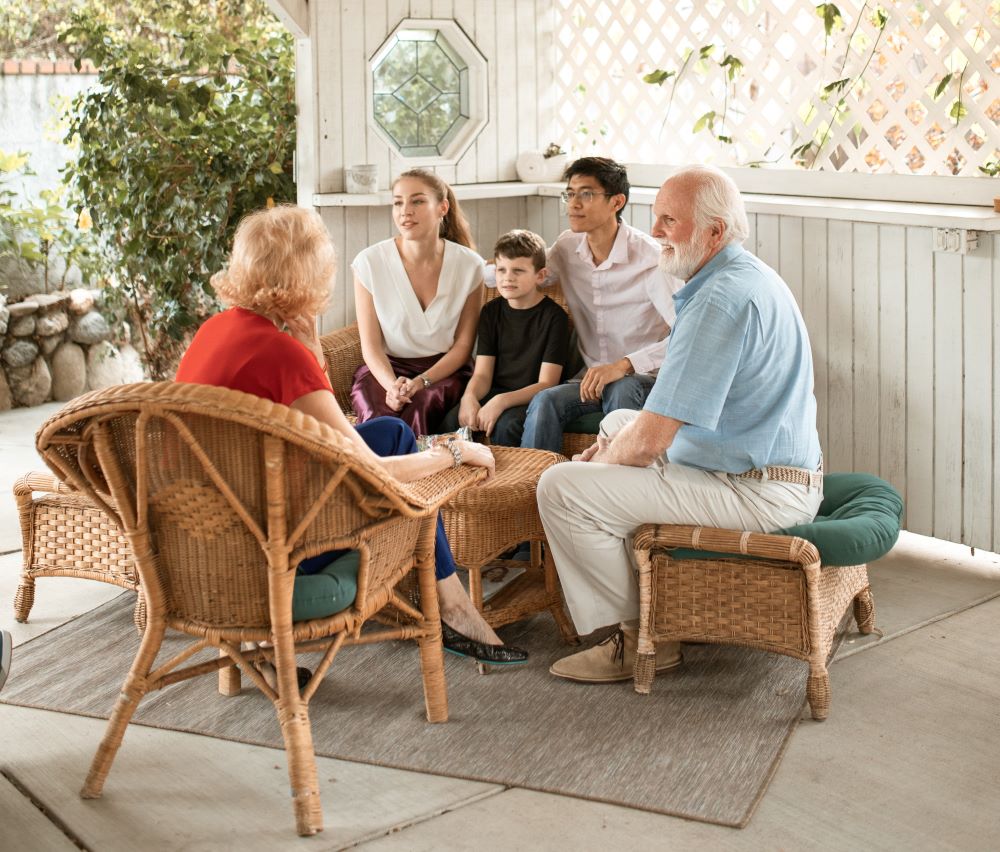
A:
(858, 522)
(589, 423)
(330, 590)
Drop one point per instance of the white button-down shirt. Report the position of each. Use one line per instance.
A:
(622, 307)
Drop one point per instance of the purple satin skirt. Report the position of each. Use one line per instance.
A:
(429, 406)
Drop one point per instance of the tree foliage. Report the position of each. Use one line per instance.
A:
(190, 126)
(42, 235)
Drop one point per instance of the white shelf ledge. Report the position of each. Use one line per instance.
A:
(463, 192)
(879, 212)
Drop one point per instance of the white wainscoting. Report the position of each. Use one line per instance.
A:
(515, 37)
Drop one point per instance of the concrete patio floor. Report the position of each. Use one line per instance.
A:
(906, 760)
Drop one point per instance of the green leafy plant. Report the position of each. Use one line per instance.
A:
(34, 233)
(835, 92)
(190, 126)
(991, 168)
(731, 67)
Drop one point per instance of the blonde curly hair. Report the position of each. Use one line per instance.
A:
(282, 264)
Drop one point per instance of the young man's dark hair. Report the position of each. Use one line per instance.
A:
(610, 175)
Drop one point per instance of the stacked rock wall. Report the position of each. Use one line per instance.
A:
(57, 346)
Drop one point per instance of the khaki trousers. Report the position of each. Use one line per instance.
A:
(590, 510)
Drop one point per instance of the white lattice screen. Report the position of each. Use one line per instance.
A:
(890, 118)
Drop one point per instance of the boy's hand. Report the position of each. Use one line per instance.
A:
(489, 414)
(468, 412)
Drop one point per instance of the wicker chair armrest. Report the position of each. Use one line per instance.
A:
(786, 548)
(439, 488)
(342, 349)
(26, 485)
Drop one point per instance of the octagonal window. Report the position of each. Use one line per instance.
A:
(428, 90)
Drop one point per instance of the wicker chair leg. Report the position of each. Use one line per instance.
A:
(864, 610)
(139, 613)
(818, 693)
(569, 634)
(293, 715)
(134, 688)
(229, 678)
(643, 673)
(24, 599)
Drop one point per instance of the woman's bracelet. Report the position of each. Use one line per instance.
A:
(456, 452)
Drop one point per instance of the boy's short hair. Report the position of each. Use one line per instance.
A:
(521, 243)
(610, 175)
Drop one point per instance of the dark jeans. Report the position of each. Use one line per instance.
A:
(389, 436)
(506, 431)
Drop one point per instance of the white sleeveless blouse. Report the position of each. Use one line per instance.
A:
(408, 330)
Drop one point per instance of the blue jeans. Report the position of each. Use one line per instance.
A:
(552, 409)
(389, 436)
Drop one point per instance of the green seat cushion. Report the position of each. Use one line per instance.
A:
(858, 522)
(330, 590)
(588, 423)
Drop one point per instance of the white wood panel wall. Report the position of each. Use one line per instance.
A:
(515, 37)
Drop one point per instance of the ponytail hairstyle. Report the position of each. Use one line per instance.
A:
(454, 225)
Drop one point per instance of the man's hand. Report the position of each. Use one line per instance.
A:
(597, 378)
(596, 451)
(489, 414)
(468, 412)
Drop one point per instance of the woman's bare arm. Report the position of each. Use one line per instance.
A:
(461, 350)
(323, 406)
(370, 332)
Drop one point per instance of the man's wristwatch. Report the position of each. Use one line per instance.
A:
(427, 382)
(456, 452)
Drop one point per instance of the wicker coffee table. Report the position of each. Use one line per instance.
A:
(496, 515)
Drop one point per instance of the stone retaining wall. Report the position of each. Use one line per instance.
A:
(57, 346)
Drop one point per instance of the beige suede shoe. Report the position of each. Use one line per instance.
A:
(613, 659)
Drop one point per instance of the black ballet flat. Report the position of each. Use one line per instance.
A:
(494, 655)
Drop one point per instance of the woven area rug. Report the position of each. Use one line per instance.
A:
(702, 746)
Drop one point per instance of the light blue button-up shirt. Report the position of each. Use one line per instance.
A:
(738, 371)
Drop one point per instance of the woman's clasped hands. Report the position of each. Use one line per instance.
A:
(402, 391)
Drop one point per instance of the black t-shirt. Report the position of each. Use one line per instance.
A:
(521, 340)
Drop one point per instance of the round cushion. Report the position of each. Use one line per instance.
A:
(858, 520)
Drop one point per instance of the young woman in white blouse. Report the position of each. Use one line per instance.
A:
(417, 297)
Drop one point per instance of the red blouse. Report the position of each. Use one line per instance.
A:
(242, 350)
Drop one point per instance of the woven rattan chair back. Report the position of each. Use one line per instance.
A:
(220, 494)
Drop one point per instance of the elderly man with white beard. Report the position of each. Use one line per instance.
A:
(726, 438)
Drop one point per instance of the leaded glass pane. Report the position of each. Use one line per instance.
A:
(421, 92)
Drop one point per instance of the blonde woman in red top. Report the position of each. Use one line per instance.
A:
(278, 281)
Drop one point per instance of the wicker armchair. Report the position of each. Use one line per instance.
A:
(784, 593)
(64, 535)
(220, 494)
(342, 349)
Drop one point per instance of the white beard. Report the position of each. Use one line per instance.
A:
(685, 259)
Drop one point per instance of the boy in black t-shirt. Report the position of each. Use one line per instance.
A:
(522, 346)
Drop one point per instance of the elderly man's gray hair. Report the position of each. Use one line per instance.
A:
(716, 198)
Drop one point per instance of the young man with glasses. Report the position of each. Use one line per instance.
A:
(619, 299)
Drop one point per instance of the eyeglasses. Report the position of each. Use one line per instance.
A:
(584, 196)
